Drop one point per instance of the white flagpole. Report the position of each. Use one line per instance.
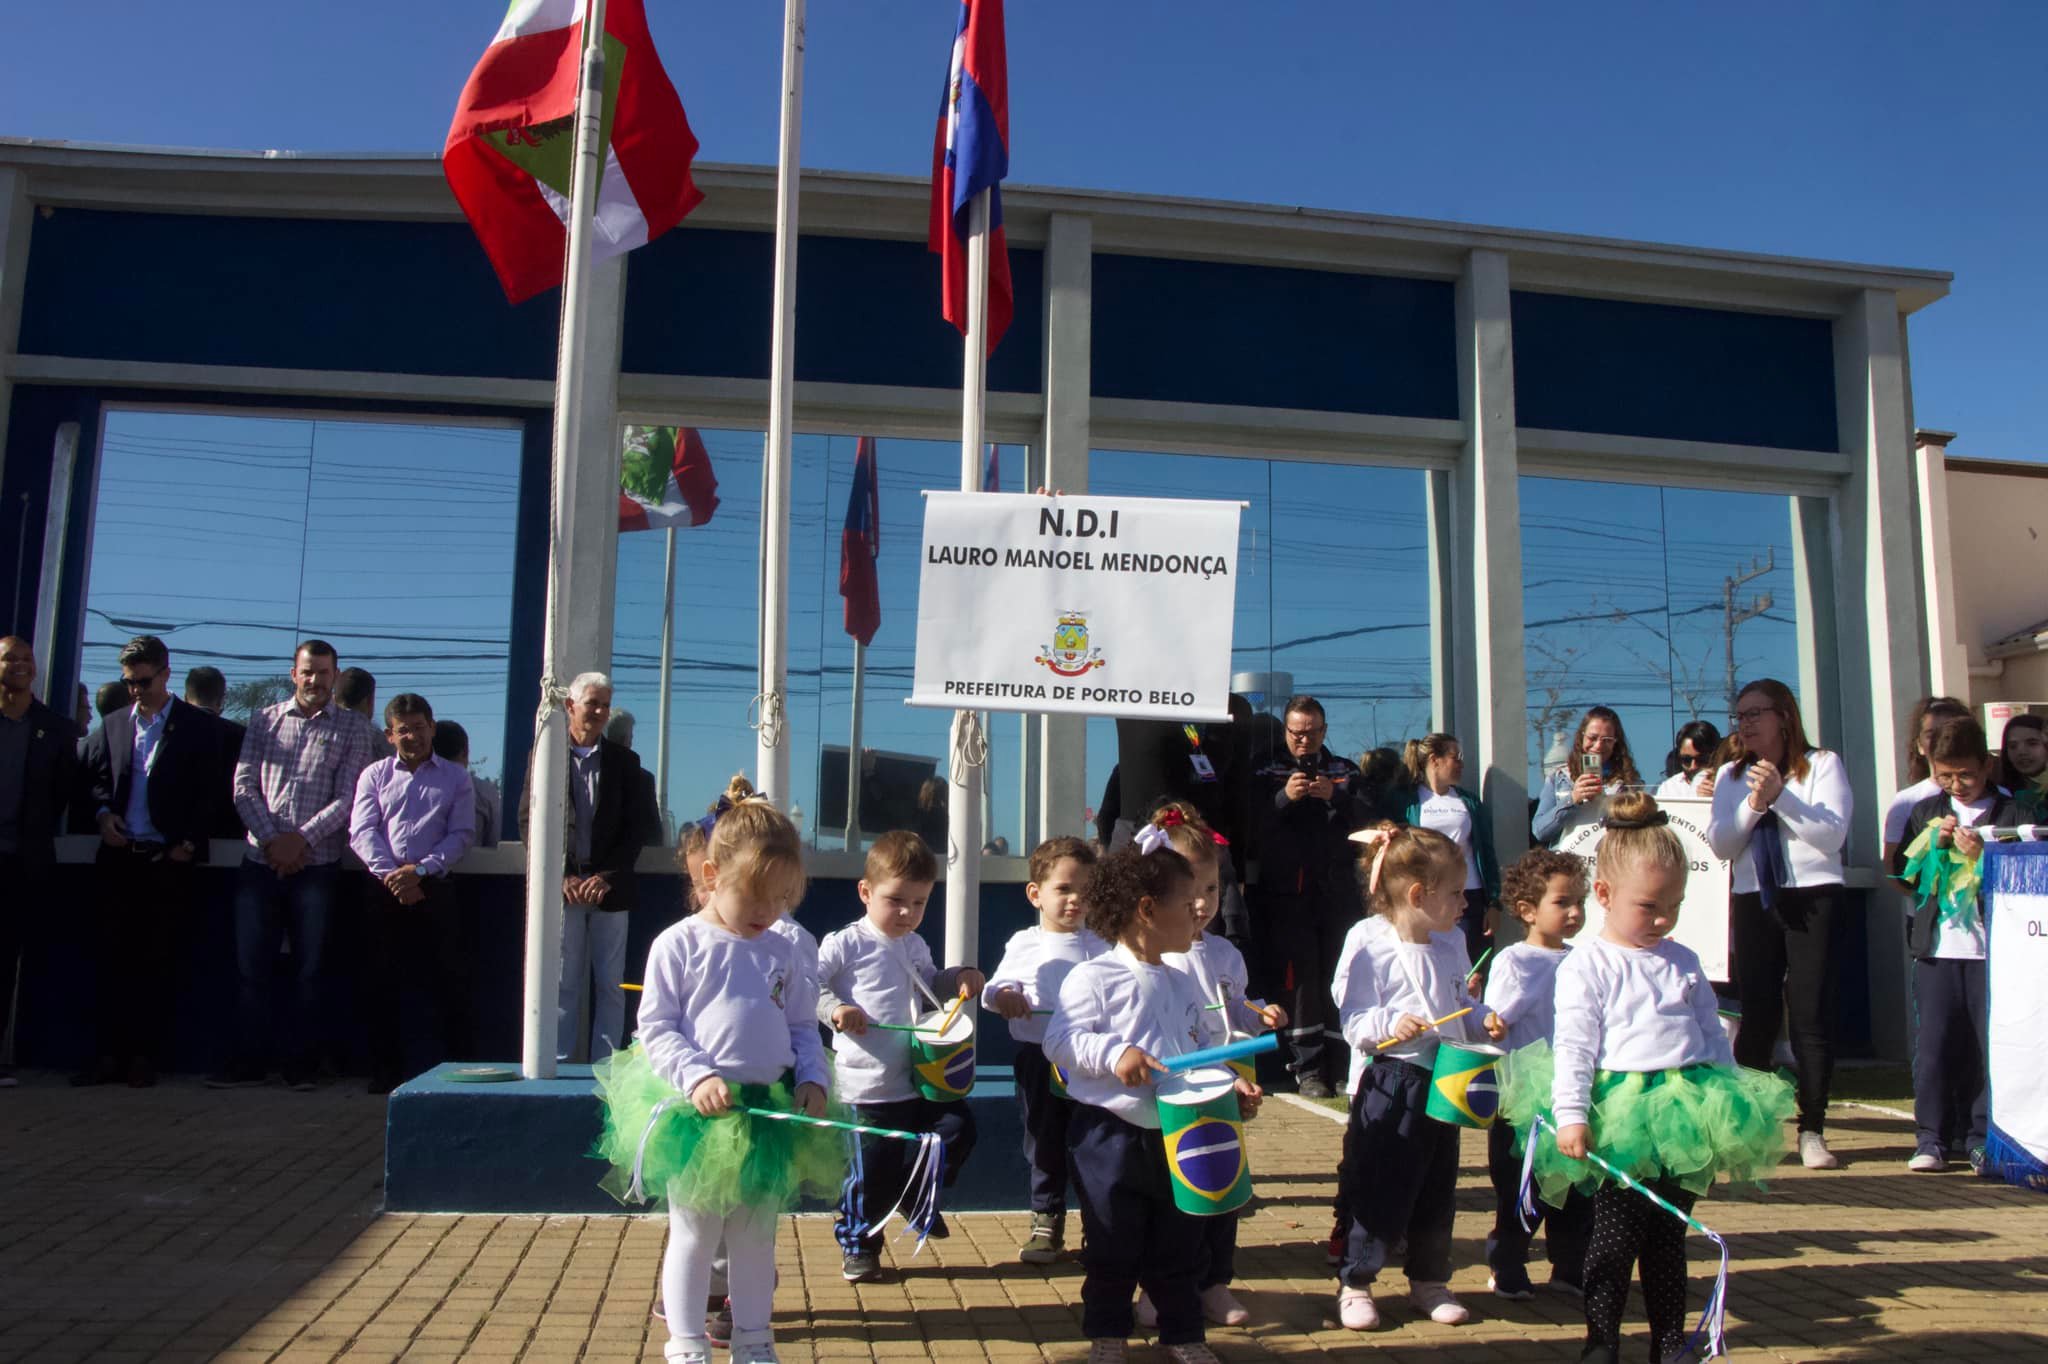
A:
(549, 777)
(668, 675)
(970, 743)
(771, 763)
(860, 665)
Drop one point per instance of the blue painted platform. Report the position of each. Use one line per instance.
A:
(522, 1146)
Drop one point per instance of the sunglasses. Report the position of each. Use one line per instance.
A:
(140, 683)
(1694, 759)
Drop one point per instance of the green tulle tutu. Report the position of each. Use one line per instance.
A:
(708, 1164)
(1688, 1125)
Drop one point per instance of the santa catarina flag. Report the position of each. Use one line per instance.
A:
(665, 479)
(992, 471)
(511, 146)
(859, 542)
(970, 154)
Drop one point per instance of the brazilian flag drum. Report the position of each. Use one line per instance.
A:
(1204, 1131)
(1464, 1088)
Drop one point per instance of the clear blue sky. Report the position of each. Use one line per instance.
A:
(1892, 133)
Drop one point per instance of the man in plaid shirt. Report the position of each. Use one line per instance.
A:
(295, 786)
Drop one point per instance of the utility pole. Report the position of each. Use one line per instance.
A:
(1732, 615)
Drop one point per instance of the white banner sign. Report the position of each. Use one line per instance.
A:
(1079, 605)
(2017, 879)
(1703, 914)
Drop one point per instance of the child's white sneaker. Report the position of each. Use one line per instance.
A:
(1434, 1300)
(686, 1350)
(1356, 1309)
(1145, 1313)
(1814, 1153)
(1105, 1350)
(754, 1351)
(1221, 1306)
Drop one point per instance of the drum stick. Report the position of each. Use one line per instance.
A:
(636, 989)
(947, 1021)
(1481, 962)
(1229, 1051)
(1432, 1024)
(894, 1027)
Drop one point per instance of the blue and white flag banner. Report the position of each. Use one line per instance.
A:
(1076, 605)
(2016, 911)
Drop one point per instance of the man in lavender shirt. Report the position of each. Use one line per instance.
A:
(414, 818)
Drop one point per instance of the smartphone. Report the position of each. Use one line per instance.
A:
(1589, 764)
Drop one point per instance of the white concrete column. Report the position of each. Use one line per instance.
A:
(1814, 597)
(17, 219)
(1490, 690)
(1069, 329)
(1879, 621)
(1440, 508)
(598, 445)
(1948, 657)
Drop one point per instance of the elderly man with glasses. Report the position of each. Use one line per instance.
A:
(1307, 892)
(153, 772)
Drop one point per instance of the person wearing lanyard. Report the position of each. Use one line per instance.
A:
(154, 773)
(1781, 814)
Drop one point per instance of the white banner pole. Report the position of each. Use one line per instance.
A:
(668, 676)
(771, 762)
(549, 777)
(969, 748)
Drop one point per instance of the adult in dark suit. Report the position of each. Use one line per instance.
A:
(38, 773)
(603, 835)
(208, 690)
(153, 771)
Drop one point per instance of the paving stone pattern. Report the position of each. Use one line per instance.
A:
(183, 1224)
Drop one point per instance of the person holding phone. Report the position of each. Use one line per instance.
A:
(1601, 765)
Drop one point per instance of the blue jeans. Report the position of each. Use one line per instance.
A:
(270, 910)
(593, 947)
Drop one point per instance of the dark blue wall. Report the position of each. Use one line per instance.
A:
(1260, 336)
(1643, 369)
(702, 302)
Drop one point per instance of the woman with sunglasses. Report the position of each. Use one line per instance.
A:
(1689, 771)
(1781, 815)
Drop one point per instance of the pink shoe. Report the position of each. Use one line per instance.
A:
(1221, 1306)
(1145, 1313)
(1357, 1310)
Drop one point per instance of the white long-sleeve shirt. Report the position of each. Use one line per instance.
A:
(1522, 989)
(719, 1004)
(1380, 977)
(1813, 814)
(806, 947)
(879, 975)
(1110, 1004)
(1035, 962)
(1219, 974)
(1630, 1008)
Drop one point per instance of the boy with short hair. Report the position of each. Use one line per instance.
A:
(1023, 990)
(1946, 937)
(872, 971)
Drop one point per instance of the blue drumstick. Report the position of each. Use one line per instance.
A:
(1229, 1051)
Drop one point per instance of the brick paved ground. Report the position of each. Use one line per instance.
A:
(177, 1223)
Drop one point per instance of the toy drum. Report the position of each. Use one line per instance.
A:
(1205, 1155)
(1056, 1080)
(943, 1061)
(1464, 1088)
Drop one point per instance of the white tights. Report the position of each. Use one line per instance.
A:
(693, 1238)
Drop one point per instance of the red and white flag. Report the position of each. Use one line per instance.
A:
(665, 479)
(511, 146)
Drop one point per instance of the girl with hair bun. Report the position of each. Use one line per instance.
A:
(1644, 1076)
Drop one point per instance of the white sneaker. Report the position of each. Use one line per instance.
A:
(1356, 1309)
(1434, 1300)
(1105, 1350)
(1814, 1153)
(689, 1350)
(1145, 1313)
(757, 1352)
(1221, 1306)
(1926, 1163)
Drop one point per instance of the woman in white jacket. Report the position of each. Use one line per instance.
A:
(1781, 816)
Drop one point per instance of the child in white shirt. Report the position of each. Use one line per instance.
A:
(1645, 1078)
(1023, 990)
(878, 970)
(1118, 1016)
(1403, 967)
(1546, 890)
(726, 1026)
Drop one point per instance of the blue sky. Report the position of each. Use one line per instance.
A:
(1884, 132)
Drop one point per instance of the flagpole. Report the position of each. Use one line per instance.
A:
(771, 763)
(668, 674)
(970, 743)
(860, 665)
(549, 775)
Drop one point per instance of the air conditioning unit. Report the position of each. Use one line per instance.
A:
(1996, 713)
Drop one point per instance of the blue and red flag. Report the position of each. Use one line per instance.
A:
(992, 471)
(859, 544)
(970, 154)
